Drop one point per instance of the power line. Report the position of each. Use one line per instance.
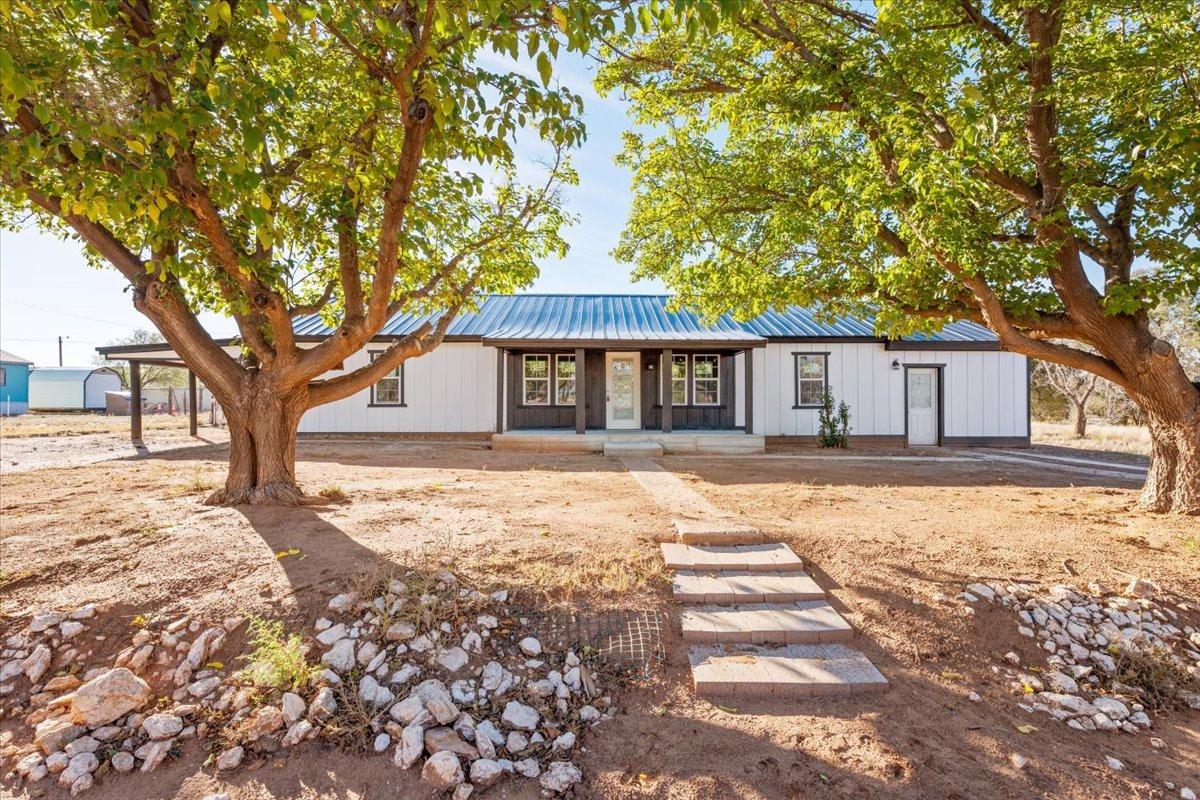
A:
(77, 316)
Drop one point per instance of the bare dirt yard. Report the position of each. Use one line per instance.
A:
(892, 540)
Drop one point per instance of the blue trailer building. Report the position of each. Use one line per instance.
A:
(14, 384)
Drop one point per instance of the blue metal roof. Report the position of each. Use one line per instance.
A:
(583, 317)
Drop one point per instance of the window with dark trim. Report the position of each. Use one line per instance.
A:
(535, 379)
(388, 390)
(564, 380)
(3, 376)
(706, 379)
(679, 380)
(812, 378)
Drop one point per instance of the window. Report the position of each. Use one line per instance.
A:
(536, 380)
(811, 379)
(564, 380)
(388, 390)
(706, 380)
(3, 376)
(679, 378)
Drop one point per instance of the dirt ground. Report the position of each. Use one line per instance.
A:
(576, 529)
(55, 424)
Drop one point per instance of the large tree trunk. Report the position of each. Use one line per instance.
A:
(262, 445)
(1173, 481)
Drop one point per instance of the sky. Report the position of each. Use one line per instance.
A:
(47, 288)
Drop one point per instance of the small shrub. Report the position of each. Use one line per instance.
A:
(1162, 679)
(334, 494)
(834, 428)
(277, 661)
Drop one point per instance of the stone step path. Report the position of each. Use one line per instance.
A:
(806, 622)
(744, 557)
(756, 623)
(735, 586)
(794, 671)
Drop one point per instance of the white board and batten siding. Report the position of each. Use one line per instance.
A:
(984, 392)
(451, 389)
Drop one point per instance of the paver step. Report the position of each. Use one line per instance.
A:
(717, 532)
(635, 448)
(738, 586)
(773, 557)
(803, 622)
(792, 671)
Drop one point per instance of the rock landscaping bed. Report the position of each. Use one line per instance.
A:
(433, 674)
(1112, 659)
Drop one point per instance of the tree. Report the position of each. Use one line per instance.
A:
(270, 159)
(153, 375)
(1073, 384)
(933, 160)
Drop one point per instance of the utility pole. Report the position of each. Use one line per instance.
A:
(60, 348)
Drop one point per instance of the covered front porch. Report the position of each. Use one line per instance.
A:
(617, 442)
(607, 391)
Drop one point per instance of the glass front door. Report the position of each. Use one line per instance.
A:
(622, 391)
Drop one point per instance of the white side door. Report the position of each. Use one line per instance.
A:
(622, 393)
(922, 407)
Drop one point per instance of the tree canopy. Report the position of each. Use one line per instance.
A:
(929, 160)
(271, 158)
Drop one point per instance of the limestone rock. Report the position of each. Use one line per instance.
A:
(122, 762)
(442, 770)
(520, 716)
(443, 738)
(231, 758)
(530, 646)
(108, 697)
(52, 735)
(485, 773)
(340, 657)
(412, 744)
(162, 726)
(293, 707)
(560, 776)
(324, 704)
(297, 733)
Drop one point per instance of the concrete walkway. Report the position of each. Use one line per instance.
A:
(756, 623)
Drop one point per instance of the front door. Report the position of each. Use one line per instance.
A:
(622, 391)
(922, 407)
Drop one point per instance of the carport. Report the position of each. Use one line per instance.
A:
(161, 355)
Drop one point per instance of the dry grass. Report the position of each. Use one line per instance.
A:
(83, 424)
(569, 576)
(1162, 679)
(1133, 439)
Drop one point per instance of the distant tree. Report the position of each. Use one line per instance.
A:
(1074, 385)
(933, 160)
(153, 375)
(274, 159)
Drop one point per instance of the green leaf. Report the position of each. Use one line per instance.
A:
(545, 68)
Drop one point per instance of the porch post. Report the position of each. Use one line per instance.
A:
(580, 392)
(135, 401)
(749, 400)
(665, 378)
(191, 400)
(500, 354)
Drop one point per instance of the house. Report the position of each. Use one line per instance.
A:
(71, 388)
(584, 371)
(14, 384)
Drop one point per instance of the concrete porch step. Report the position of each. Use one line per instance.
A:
(802, 622)
(772, 557)
(633, 448)
(717, 532)
(794, 671)
(735, 586)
